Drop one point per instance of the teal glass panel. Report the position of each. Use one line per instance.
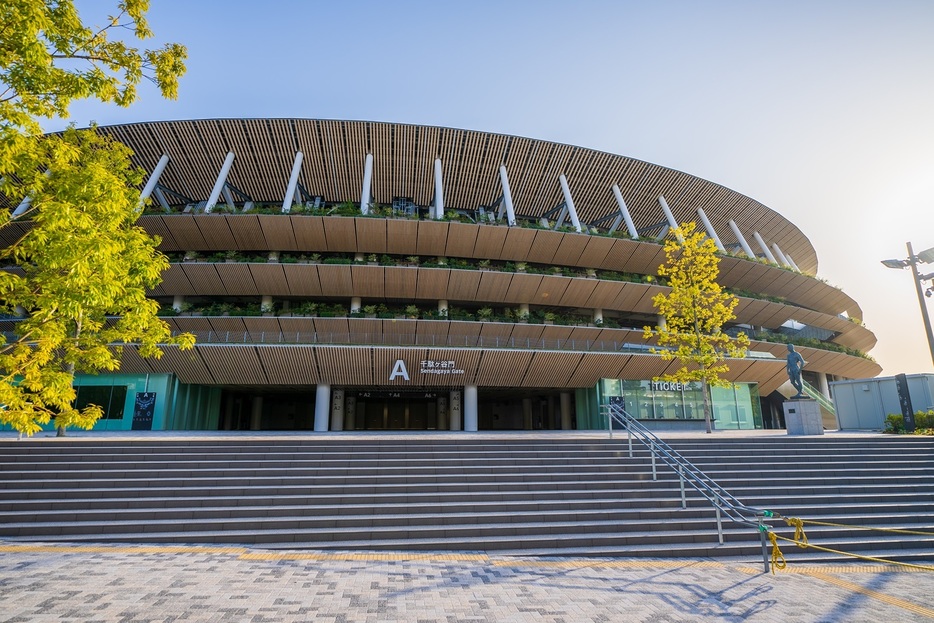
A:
(734, 407)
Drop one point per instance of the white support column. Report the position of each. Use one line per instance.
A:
(624, 212)
(454, 412)
(219, 183)
(764, 247)
(256, 413)
(291, 191)
(566, 422)
(367, 185)
(710, 230)
(824, 385)
(742, 241)
(781, 256)
(22, 207)
(824, 388)
(337, 410)
(792, 263)
(439, 191)
(177, 302)
(668, 215)
(322, 406)
(153, 179)
(523, 311)
(507, 196)
(569, 202)
(598, 316)
(470, 408)
(350, 413)
(265, 304)
(443, 308)
(355, 304)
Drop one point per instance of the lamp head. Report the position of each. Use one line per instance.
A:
(895, 263)
(927, 256)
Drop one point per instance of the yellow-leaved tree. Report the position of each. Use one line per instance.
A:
(83, 266)
(695, 311)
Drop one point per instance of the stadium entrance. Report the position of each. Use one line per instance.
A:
(414, 409)
(396, 410)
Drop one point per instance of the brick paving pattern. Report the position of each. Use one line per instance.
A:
(243, 585)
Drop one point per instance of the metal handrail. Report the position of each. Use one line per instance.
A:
(821, 399)
(724, 503)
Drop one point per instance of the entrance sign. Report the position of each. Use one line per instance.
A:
(399, 370)
(439, 367)
(426, 366)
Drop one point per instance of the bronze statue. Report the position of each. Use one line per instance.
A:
(795, 363)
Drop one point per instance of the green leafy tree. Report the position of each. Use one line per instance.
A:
(84, 266)
(694, 312)
(49, 58)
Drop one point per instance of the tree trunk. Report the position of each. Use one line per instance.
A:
(706, 391)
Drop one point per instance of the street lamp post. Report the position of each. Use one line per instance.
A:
(926, 257)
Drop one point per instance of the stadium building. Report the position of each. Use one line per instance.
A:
(348, 275)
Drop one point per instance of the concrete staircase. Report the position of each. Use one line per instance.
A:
(512, 494)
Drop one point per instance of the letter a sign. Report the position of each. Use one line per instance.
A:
(399, 370)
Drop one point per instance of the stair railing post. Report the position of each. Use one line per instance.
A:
(719, 521)
(765, 548)
(654, 472)
(684, 500)
(609, 420)
(629, 433)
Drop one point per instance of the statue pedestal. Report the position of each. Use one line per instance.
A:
(802, 417)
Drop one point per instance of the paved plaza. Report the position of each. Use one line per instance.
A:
(146, 584)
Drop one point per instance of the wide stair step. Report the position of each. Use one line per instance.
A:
(512, 495)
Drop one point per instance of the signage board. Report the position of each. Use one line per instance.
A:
(143, 410)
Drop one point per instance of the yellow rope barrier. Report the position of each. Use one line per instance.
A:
(778, 559)
(840, 525)
(781, 559)
(800, 537)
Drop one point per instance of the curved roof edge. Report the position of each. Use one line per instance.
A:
(334, 152)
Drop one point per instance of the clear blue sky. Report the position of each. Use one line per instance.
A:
(824, 111)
